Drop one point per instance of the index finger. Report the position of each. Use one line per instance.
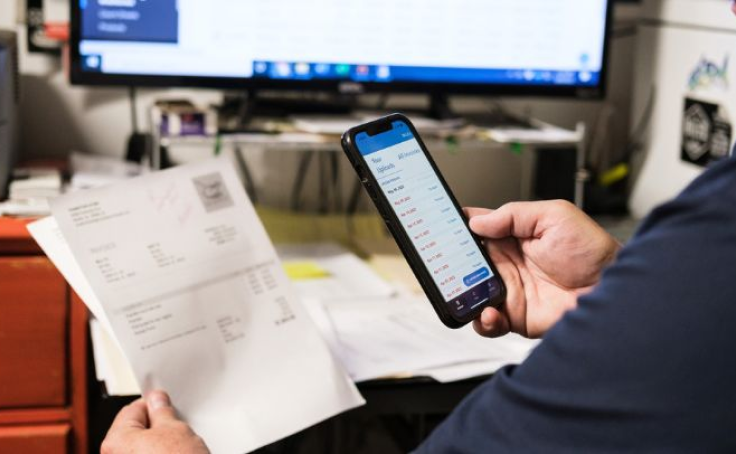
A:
(132, 416)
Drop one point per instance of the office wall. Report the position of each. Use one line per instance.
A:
(7, 13)
(58, 118)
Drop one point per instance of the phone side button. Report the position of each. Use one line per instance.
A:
(390, 226)
(370, 190)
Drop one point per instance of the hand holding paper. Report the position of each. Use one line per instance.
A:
(151, 426)
(191, 286)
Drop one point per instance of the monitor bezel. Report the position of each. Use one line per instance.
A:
(79, 77)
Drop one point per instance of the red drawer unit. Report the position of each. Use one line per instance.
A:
(43, 351)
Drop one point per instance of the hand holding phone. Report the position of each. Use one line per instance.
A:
(424, 218)
(567, 248)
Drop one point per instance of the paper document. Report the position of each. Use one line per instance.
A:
(544, 134)
(113, 168)
(47, 234)
(509, 349)
(197, 298)
(338, 124)
(397, 270)
(344, 276)
(404, 336)
(111, 366)
(93, 171)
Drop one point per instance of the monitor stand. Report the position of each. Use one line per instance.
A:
(500, 118)
(439, 106)
(255, 104)
(241, 108)
(439, 109)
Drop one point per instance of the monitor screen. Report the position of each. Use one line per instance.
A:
(9, 100)
(532, 43)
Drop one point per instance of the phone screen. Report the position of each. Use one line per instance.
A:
(429, 217)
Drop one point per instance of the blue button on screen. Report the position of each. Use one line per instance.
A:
(477, 276)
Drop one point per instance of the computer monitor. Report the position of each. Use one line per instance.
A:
(501, 47)
(9, 103)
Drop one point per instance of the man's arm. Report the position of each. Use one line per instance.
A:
(645, 363)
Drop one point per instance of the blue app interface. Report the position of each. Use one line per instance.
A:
(429, 217)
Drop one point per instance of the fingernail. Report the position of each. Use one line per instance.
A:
(157, 400)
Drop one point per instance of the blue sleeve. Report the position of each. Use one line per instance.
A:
(646, 363)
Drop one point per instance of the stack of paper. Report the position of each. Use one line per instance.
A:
(179, 270)
(403, 337)
(92, 171)
(39, 183)
(338, 124)
(541, 133)
(30, 192)
(111, 366)
(328, 272)
(377, 331)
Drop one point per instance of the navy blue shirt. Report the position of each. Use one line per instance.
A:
(646, 363)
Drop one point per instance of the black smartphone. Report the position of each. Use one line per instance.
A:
(424, 217)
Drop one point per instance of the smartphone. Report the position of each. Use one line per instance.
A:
(424, 218)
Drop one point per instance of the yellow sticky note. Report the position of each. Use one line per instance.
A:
(302, 271)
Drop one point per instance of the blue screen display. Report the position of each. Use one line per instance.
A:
(385, 74)
(469, 42)
(429, 217)
(123, 20)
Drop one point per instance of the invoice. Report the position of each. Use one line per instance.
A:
(193, 290)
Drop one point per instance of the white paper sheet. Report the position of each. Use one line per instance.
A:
(94, 171)
(321, 318)
(336, 124)
(510, 349)
(463, 371)
(542, 134)
(348, 279)
(194, 292)
(47, 234)
(403, 336)
(113, 168)
(111, 365)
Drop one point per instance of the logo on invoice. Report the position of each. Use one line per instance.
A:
(212, 192)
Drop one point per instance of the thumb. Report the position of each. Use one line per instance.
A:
(160, 410)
